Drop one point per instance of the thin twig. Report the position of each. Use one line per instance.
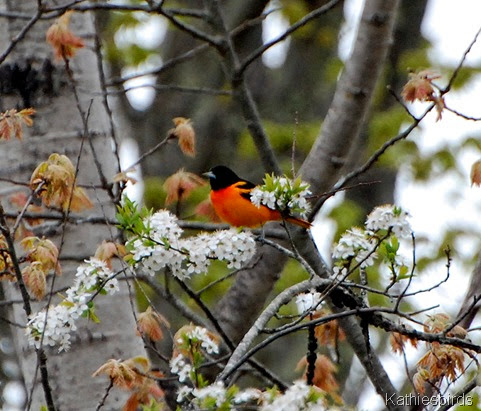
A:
(105, 101)
(372, 160)
(461, 63)
(21, 35)
(173, 62)
(464, 116)
(297, 25)
(104, 398)
(149, 152)
(404, 291)
(174, 87)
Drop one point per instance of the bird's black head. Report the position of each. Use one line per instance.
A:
(221, 177)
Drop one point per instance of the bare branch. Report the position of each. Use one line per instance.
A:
(297, 25)
(242, 94)
(461, 63)
(20, 36)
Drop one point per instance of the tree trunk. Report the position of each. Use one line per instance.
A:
(58, 127)
(322, 168)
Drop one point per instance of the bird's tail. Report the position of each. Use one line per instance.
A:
(300, 222)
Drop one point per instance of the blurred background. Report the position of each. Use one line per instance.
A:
(293, 83)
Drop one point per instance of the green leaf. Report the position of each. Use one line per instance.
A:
(153, 406)
(404, 273)
(90, 313)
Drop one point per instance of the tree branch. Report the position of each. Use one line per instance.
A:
(242, 94)
(297, 25)
(351, 102)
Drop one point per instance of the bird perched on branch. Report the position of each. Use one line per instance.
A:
(231, 199)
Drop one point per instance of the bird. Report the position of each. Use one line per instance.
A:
(230, 197)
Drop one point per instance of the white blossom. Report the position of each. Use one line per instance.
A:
(112, 286)
(207, 343)
(357, 244)
(259, 196)
(295, 398)
(216, 391)
(55, 326)
(247, 395)
(306, 301)
(183, 392)
(58, 323)
(190, 255)
(92, 273)
(389, 217)
(181, 367)
(163, 226)
(280, 193)
(236, 248)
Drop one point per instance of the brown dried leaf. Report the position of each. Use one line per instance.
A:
(185, 133)
(35, 279)
(42, 251)
(61, 38)
(328, 333)
(80, 200)
(419, 86)
(180, 185)
(149, 323)
(11, 122)
(398, 342)
(476, 173)
(122, 375)
(108, 249)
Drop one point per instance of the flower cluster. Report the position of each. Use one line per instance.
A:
(200, 335)
(210, 397)
(92, 276)
(282, 194)
(191, 344)
(180, 366)
(389, 217)
(56, 326)
(57, 323)
(215, 393)
(384, 226)
(248, 395)
(161, 246)
(358, 245)
(299, 396)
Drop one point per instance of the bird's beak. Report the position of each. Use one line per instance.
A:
(209, 174)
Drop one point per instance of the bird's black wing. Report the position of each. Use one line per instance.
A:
(245, 187)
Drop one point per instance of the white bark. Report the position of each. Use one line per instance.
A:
(58, 128)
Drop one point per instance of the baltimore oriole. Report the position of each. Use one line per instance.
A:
(230, 196)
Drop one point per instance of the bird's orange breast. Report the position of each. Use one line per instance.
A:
(238, 211)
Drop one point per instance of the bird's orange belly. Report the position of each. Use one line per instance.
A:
(238, 211)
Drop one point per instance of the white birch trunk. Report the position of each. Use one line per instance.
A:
(58, 128)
